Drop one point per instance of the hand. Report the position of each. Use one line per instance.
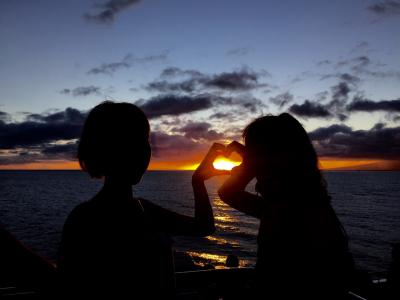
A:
(236, 147)
(206, 169)
(244, 168)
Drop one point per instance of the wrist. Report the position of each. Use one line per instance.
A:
(196, 180)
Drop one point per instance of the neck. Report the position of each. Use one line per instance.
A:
(117, 187)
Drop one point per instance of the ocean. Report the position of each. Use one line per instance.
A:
(35, 204)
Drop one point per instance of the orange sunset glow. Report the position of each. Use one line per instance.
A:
(221, 163)
(225, 164)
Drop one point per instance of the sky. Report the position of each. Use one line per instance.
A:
(201, 71)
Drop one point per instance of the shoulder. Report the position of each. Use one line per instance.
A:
(149, 206)
(78, 215)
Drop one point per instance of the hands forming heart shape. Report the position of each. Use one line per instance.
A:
(206, 169)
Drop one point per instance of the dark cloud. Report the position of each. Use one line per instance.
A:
(5, 117)
(174, 105)
(172, 145)
(61, 151)
(247, 102)
(361, 62)
(200, 130)
(370, 106)
(345, 77)
(106, 12)
(238, 80)
(349, 78)
(282, 99)
(37, 129)
(380, 142)
(324, 133)
(110, 68)
(163, 86)
(382, 74)
(221, 115)
(340, 93)
(174, 71)
(82, 91)
(128, 61)
(310, 110)
(241, 80)
(321, 96)
(358, 63)
(385, 8)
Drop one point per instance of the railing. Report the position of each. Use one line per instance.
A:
(202, 284)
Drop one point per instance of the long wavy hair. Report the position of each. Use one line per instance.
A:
(270, 137)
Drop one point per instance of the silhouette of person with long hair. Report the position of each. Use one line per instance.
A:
(302, 246)
(116, 244)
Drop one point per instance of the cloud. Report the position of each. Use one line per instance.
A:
(282, 99)
(82, 91)
(174, 105)
(370, 106)
(127, 62)
(173, 145)
(221, 115)
(340, 93)
(379, 142)
(61, 151)
(110, 68)
(324, 133)
(5, 117)
(38, 130)
(345, 77)
(200, 130)
(107, 11)
(310, 110)
(174, 71)
(385, 8)
(241, 80)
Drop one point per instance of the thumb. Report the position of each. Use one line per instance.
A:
(221, 172)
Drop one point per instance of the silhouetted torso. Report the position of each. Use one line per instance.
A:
(302, 249)
(113, 247)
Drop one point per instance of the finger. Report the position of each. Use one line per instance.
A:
(221, 172)
(217, 147)
(236, 147)
(215, 150)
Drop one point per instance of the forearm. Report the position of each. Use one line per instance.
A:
(233, 192)
(203, 211)
(234, 185)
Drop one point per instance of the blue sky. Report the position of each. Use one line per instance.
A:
(300, 49)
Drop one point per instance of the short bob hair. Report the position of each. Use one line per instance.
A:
(109, 128)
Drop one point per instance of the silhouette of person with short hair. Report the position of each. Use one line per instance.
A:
(116, 244)
(302, 246)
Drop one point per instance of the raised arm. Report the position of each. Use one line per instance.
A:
(233, 191)
(202, 224)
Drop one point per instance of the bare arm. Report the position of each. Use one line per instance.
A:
(202, 224)
(233, 191)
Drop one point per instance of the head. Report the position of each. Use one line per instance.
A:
(279, 149)
(115, 142)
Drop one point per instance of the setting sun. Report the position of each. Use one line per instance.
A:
(225, 164)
